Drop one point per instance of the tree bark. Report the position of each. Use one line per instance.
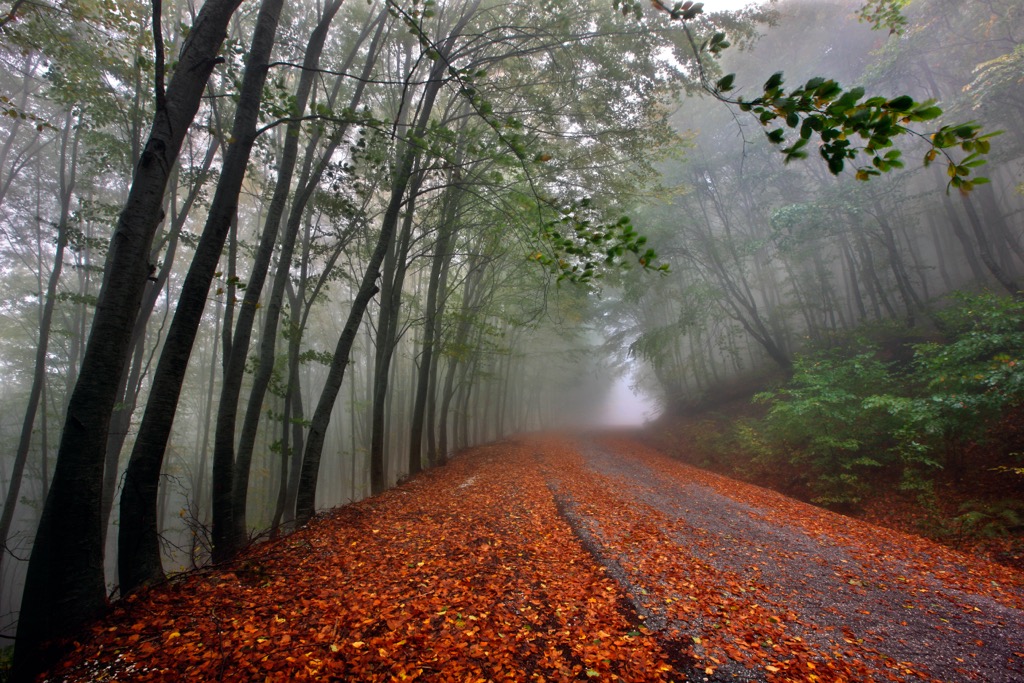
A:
(431, 417)
(456, 346)
(138, 541)
(226, 539)
(65, 584)
(307, 185)
(446, 231)
(128, 392)
(387, 332)
(305, 497)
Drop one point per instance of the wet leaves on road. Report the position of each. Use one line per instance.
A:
(526, 561)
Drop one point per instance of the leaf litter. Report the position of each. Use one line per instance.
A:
(556, 559)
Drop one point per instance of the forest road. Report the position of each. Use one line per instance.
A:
(570, 558)
(741, 583)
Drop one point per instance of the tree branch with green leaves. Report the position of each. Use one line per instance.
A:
(845, 123)
(574, 239)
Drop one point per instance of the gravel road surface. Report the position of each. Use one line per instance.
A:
(798, 589)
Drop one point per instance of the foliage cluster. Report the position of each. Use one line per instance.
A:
(837, 117)
(850, 410)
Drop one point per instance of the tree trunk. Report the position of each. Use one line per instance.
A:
(305, 497)
(305, 503)
(431, 417)
(445, 232)
(965, 239)
(307, 185)
(456, 346)
(985, 250)
(305, 500)
(393, 279)
(138, 541)
(911, 301)
(65, 584)
(199, 488)
(69, 157)
(128, 392)
(226, 539)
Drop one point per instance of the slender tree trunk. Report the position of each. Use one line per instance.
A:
(408, 154)
(911, 301)
(431, 417)
(294, 412)
(966, 244)
(387, 333)
(998, 226)
(985, 250)
(305, 497)
(307, 185)
(458, 354)
(446, 230)
(870, 274)
(199, 490)
(69, 156)
(65, 582)
(853, 286)
(226, 539)
(138, 542)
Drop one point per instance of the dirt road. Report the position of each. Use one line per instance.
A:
(715, 567)
(557, 558)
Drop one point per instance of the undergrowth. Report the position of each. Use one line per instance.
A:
(932, 433)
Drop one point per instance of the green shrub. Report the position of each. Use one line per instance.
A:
(970, 381)
(846, 411)
(820, 420)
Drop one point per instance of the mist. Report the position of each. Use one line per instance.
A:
(453, 234)
(627, 405)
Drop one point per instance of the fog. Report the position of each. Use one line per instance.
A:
(627, 405)
(467, 251)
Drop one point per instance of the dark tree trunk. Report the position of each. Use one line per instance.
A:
(305, 502)
(65, 584)
(226, 536)
(307, 185)
(128, 392)
(393, 279)
(138, 541)
(457, 348)
(431, 417)
(446, 230)
(911, 301)
(306, 497)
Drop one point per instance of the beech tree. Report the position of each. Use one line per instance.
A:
(65, 585)
(139, 551)
(407, 156)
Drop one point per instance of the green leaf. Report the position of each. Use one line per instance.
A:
(774, 81)
(927, 113)
(902, 103)
(725, 83)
